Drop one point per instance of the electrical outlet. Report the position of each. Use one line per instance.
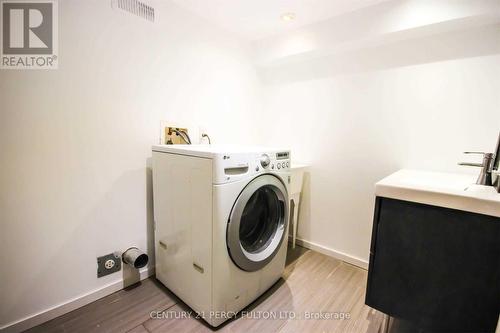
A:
(203, 136)
(108, 264)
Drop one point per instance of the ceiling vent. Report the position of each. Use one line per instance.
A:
(135, 7)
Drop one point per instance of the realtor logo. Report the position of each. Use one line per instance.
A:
(29, 34)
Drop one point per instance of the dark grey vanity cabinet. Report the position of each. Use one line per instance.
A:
(435, 267)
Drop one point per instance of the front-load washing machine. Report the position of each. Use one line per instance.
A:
(221, 219)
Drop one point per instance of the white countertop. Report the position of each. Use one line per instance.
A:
(450, 190)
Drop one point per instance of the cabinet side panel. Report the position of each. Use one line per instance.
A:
(436, 267)
(373, 244)
(182, 192)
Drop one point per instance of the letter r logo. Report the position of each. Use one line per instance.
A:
(27, 27)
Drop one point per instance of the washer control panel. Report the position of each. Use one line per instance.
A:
(274, 161)
(230, 167)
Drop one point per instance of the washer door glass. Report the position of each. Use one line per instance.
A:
(260, 219)
(257, 223)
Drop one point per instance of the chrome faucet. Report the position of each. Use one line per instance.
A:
(496, 167)
(490, 167)
(486, 167)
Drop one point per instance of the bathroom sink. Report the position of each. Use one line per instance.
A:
(434, 252)
(450, 190)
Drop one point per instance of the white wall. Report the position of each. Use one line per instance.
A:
(75, 142)
(356, 117)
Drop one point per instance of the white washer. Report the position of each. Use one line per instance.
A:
(221, 220)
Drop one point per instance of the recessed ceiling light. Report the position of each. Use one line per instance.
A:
(288, 16)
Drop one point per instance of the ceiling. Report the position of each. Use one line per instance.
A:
(257, 19)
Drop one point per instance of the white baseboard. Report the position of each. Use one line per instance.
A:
(70, 305)
(361, 263)
(84, 299)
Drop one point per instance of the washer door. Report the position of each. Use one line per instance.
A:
(257, 223)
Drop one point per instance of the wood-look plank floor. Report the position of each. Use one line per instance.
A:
(312, 284)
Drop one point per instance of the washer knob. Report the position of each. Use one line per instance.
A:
(265, 161)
